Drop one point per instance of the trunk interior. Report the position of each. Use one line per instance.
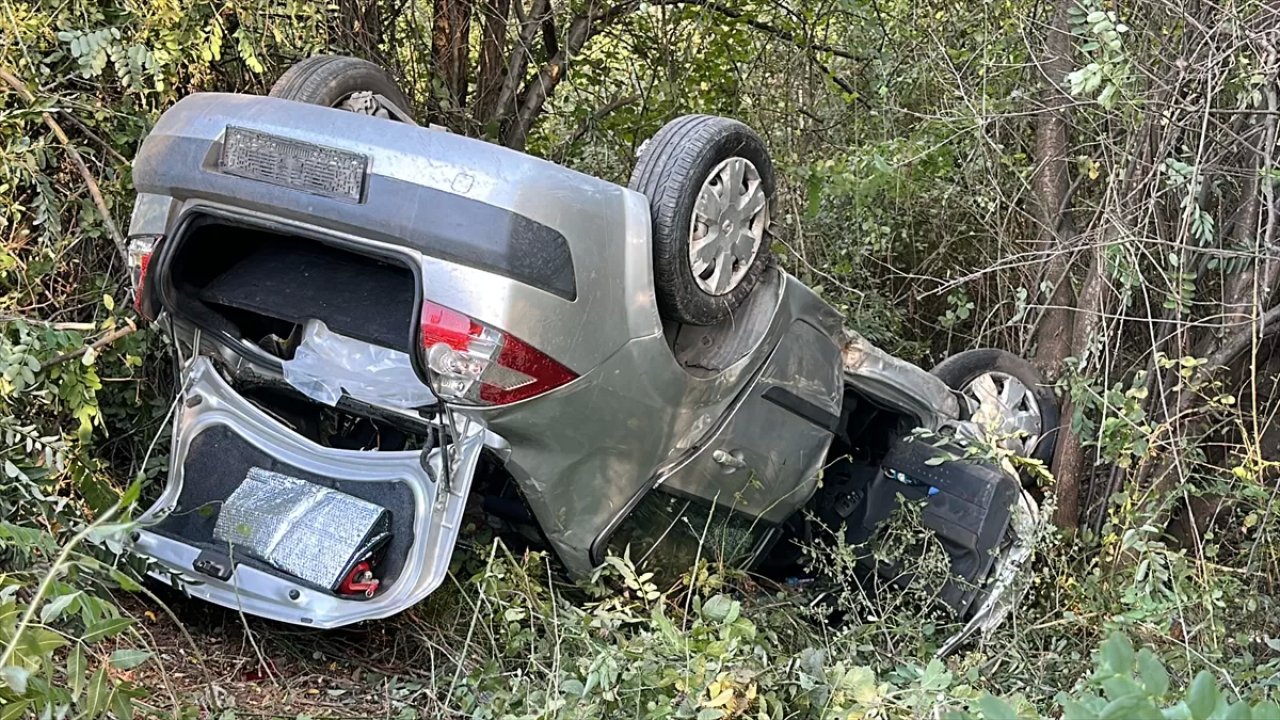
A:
(260, 287)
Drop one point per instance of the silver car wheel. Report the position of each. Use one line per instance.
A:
(728, 225)
(1003, 405)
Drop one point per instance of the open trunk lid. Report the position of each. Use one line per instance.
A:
(249, 501)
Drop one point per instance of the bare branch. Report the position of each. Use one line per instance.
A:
(78, 161)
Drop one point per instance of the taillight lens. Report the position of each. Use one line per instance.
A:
(140, 249)
(474, 364)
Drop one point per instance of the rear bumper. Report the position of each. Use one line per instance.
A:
(428, 512)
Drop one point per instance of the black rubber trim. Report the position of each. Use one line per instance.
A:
(802, 408)
(434, 222)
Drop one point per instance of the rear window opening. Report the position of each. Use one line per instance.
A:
(260, 287)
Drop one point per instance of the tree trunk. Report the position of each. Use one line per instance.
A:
(450, 49)
(1051, 190)
(1070, 460)
(493, 46)
(358, 28)
(540, 88)
(517, 63)
(535, 94)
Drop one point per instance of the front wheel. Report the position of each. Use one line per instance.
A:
(710, 182)
(345, 83)
(1003, 392)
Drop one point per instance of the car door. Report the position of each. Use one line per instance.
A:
(764, 461)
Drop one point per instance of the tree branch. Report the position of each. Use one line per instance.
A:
(781, 33)
(519, 61)
(588, 24)
(95, 346)
(595, 117)
(78, 161)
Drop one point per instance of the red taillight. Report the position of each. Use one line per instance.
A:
(474, 364)
(140, 250)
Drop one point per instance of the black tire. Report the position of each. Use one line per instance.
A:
(962, 368)
(329, 79)
(672, 167)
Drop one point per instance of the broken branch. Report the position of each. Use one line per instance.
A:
(95, 346)
(94, 191)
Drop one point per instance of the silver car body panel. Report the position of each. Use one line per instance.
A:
(209, 401)
(749, 433)
(606, 226)
(904, 387)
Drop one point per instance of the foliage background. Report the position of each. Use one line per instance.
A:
(1088, 183)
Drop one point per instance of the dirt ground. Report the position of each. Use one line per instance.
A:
(215, 663)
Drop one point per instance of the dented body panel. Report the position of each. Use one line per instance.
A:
(738, 416)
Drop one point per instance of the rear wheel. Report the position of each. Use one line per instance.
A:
(709, 181)
(345, 83)
(1003, 392)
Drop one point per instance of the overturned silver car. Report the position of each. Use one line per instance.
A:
(375, 321)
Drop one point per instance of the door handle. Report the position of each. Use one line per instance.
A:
(730, 460)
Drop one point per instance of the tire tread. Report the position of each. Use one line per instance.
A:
(664, 174)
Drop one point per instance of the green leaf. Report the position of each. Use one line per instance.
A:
(1117, 654)
(717, 607)
(1241, 711)
(993, 708)
(121, 706)
(39, 642)
(935, 677)
(14, 710)
(1154, 677)
(106, 628)
(1202, 696)
(95, 702)
(1266, 710)
(1130, 707)
(15, 678)
(1072, 710)
(125, 582)
(1122, 686)
(55, 607)
(129, 658)
(76, 668)
(131, 493)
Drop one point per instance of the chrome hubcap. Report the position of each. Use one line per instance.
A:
(1006, 408)
(729, 221)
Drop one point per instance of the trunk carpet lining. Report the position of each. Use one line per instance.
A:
(297, 280)
(217, 464)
